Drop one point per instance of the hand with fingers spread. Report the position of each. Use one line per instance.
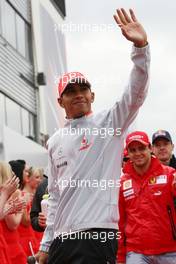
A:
(9, 205)
(14, 206)
(131, 28)
(10, 186)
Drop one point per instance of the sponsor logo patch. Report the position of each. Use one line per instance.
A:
(152, 180)
(161, 179)
(128, 192)
(85, 144)
(127, 184)
(62, 164)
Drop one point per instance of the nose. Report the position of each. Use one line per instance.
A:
(137, 152)
(78, 97)
(78, 93)
(161, 147)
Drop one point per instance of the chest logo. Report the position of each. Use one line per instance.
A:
(161, 179)
(152, 180)
(85, 143)
(60, 151)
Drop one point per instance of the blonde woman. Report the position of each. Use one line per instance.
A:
(6, 189)
(11, 221)
(27, 234)
(36, 177)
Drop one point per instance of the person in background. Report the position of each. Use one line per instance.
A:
(147, 222)
(29, 180)
(28, 237)
(163, 147)
(7, 206)
(32, 180)
(21, 170)
(38, 219)
(36, 181)
(6, 190)
(125, 157)
(10, 222)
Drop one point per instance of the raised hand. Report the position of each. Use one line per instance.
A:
(10, 186)
(130, 27)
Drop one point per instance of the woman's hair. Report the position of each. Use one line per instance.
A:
(40, 171)
(18, 168)
(5, 172)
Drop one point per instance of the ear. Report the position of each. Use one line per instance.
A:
(150, 146)
(172, 146)
(60, 101)
(92, 97)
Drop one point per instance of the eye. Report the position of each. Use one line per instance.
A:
(142, 148)
(69, 91)
(132, 150)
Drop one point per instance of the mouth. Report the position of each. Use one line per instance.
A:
(162, 153)
(138, 160)
(79, 103)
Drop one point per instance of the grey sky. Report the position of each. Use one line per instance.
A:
(100, 51)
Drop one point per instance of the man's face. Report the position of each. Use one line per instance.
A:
(76, 100)
(162, 148)
(139, 154)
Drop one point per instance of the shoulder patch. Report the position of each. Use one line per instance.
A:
(128, 192)
(127, 184)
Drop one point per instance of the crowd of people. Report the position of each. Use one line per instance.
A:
(146, 204)
(18, 184)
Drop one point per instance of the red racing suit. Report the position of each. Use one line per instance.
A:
(147, 217)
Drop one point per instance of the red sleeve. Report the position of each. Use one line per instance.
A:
(121, 254)
(171, 175)
(173, 184)
(171, 172)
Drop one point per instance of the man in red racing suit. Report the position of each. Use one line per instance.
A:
(147, 217)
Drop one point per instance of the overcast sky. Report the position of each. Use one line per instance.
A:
(96, 47)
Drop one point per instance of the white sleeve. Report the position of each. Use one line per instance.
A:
(125, 111)
(53, 201)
